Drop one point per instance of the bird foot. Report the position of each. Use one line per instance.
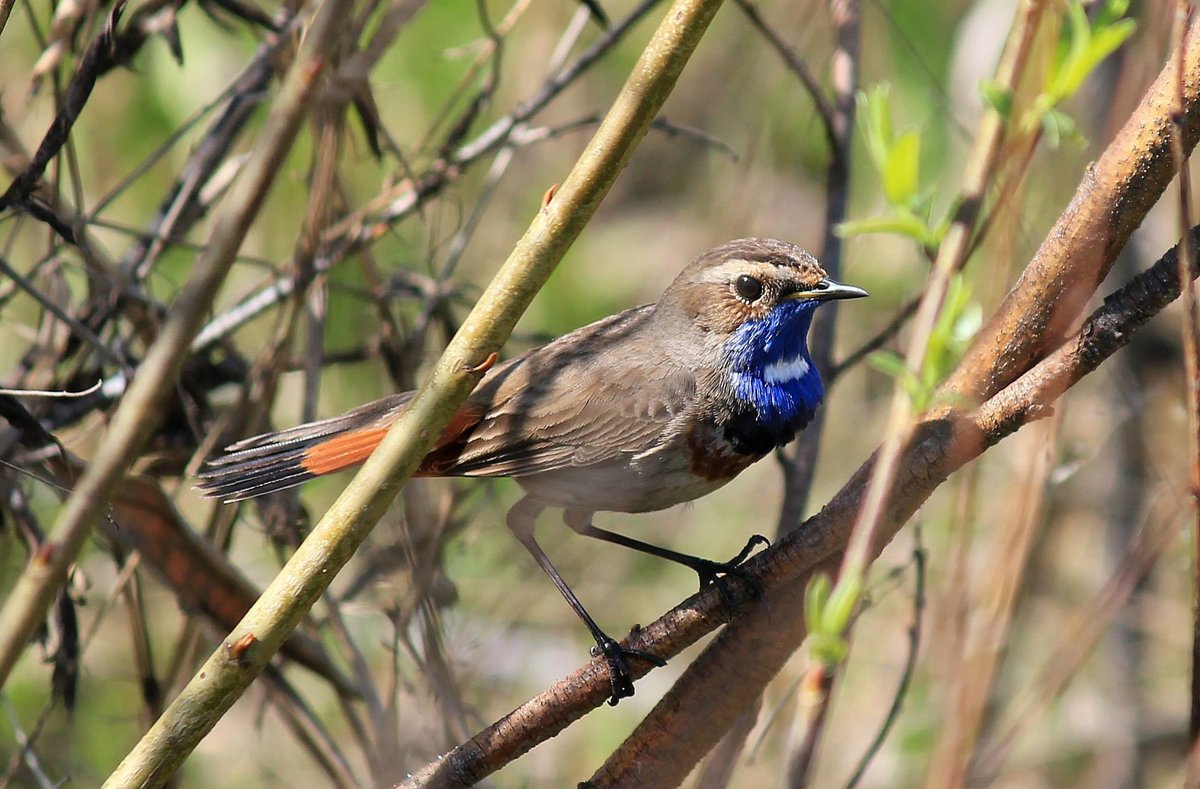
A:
(619, 672)
(715, 573)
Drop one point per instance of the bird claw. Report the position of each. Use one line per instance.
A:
(619, 672)
(714, 573)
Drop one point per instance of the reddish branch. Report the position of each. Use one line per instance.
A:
(1112, 200)
(769, 630)
(752, 649)
(1002, 371)
(1191, 366)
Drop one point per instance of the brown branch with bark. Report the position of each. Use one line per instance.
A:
(1016, 369)
(1119, 189)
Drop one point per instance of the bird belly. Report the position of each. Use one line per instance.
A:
(619, 486)
(694, 465)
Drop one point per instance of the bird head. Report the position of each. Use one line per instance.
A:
(755, 280)
(754, 300)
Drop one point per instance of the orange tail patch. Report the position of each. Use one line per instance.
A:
(277, 461)
(341, 452)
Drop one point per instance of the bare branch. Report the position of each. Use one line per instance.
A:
(308, 572)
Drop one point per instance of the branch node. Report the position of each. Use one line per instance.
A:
(485, 365)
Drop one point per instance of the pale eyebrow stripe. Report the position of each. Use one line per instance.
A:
(724, 270)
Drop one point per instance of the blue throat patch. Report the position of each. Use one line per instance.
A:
(770, 368)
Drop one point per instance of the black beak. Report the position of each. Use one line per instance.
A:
(828, 290)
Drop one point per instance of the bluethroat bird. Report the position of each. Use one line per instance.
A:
(640, 411)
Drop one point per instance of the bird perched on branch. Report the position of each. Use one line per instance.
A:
(640, 411)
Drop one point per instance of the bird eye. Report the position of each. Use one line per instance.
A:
(748, 288)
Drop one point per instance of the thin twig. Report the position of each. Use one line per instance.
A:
(20, 192)
(52, 393)
(505, 156)
(950, 258)
(816, 697)
(140, 410)
(83, 332)
(827, 112)
(1190, 331)
(246, 651)
(181, 209)
(910, 662)
(5, 10)
(25, 753)
(988, 628)
(800, 468)
(1062, 662)
(940, 447)
(881, 338)
(799, 473)
(362, 227)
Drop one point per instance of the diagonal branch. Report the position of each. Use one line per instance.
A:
(1132, 174)
(1127, 180)
(748, 653)
(141, 409)
(770, 628)
(308, 572)
(1114, 197)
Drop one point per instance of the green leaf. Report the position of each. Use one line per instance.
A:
(876, 123)
(1079, 34)
(826, 649)
(892, 365)
(1108, 40)
(815, 598)
(918, 392)
(1087, 45)
(957, 322)
(900, 175)
(968, 325)
(957, 295)
(998, 97)
(842, 604)
(888, 362)
(1057, 126)
(1110, 12)
(900, 224)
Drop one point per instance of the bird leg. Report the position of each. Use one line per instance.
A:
(710, 572)
(520, 521)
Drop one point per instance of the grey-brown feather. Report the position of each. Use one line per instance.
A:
(573, 402)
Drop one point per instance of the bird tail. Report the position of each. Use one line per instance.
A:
(276, 461)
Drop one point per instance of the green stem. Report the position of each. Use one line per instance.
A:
(243, 654)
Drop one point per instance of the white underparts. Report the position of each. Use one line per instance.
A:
(786, 370)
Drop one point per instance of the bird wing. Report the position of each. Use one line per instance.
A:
(590, 396)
